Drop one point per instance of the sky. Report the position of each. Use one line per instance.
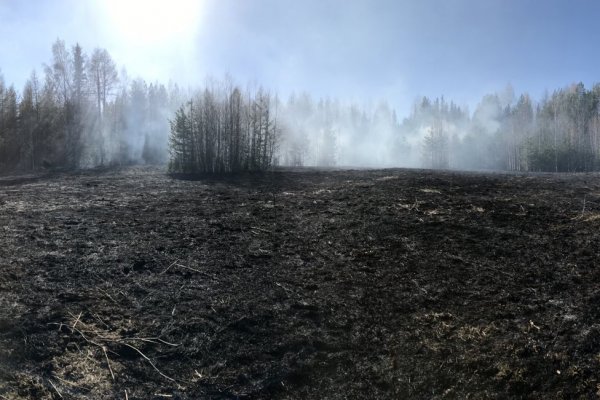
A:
(355, 50)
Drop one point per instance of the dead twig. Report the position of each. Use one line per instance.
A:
(191, 269)
(415, 205)
(419, 286)
(255, 228)
(55, 388)
(176, 264)
(109, 296)
(497, 270)
(85, 338)
(64, 381)
(149, 361)
(100, 320)
(168, 344)
(288, 290)
(102, 341)
(154, 340)
(76, 320)
(101, 346)
(533, 325)
(169, 267)
(108, 363)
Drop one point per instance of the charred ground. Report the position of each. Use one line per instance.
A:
(299, 284)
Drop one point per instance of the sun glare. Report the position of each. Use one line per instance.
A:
(143, 22)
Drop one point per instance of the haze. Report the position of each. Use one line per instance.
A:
(385, 83)
(360, 50)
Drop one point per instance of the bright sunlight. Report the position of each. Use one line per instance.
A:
(143, 22)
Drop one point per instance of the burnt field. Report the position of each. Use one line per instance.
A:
(300, 284)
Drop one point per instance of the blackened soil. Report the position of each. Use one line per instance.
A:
(300, 284)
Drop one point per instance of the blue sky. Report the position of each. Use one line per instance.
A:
(363, 50)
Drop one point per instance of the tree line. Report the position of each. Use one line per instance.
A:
(81, 112)
(561, 133)
(222, 129)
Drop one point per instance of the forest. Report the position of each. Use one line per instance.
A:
(82, 112)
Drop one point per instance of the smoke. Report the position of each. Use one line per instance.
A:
(90, 115)
(355, 52)
(330, 132)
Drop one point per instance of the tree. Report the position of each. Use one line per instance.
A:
(137, 118)
(11, 141)
(103, 76)
(327, 140)
(157, 125)
(436, 146)
(180, 144)
(219, 131)
(79, 75)
(28, 122)
(76, 107)
(61, 70)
